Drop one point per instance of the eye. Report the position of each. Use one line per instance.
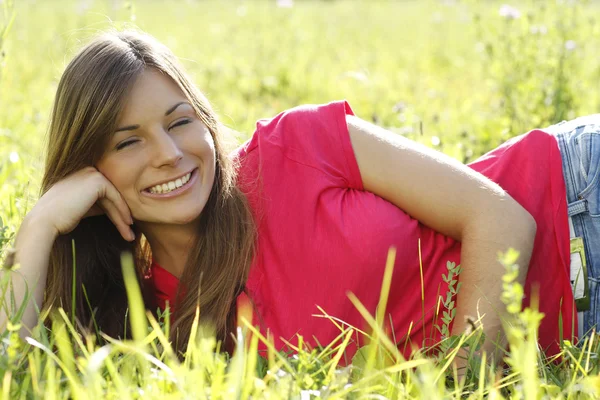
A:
(126, 143)
(180, 122)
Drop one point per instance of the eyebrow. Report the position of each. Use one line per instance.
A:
(169, 112)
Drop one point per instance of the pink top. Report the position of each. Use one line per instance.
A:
(321, 235)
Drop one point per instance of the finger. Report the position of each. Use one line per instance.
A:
(117, 219)
(112, 194)
(115, 216)
(94, 211)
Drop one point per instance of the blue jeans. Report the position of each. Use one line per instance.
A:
(579, 144)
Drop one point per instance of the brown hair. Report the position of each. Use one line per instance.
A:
(90, 95)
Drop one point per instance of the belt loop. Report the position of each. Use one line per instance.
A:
(575, 203)
(577, 207)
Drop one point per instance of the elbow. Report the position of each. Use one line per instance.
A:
(524, 241)
(526, 222)
(523, 233)
(508, 222)
(517, 218)
(532, 224)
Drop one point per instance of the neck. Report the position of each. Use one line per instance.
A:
(170, 244)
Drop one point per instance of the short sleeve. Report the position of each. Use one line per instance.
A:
(316, 136)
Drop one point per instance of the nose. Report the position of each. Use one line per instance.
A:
(166, 150)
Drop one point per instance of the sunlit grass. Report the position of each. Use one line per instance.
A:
(62, 362)
(459, 76)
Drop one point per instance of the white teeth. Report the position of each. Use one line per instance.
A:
(169, 186)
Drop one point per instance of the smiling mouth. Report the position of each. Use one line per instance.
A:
(171, 185)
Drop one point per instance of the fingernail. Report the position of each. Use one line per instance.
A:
(131, 235)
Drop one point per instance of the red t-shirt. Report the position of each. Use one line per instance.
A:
(321, 235)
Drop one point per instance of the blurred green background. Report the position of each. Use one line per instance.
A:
(460, 76)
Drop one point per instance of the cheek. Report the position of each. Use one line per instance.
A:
(209, 146)
(121, 183)
(120, 175)
(210, 151)
(203, 146)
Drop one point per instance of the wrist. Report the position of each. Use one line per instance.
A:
(38, 225)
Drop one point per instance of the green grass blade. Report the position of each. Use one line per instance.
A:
(137, 313)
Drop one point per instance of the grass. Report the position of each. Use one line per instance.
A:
(456, 75)
(62, 363)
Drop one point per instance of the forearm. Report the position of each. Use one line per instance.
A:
(481, 273)
(32, 250)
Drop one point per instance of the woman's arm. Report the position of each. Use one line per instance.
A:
(32, 251)
(82, 194)
(456, 201)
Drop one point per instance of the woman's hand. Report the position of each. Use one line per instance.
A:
(82, 194)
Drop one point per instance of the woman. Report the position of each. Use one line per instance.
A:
(296, 218)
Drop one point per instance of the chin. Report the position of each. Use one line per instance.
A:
(184, 219)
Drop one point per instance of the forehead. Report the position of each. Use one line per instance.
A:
(152, 92)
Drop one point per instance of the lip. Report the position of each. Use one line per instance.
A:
(171, 179)
(177, 191)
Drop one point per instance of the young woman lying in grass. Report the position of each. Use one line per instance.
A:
(295, 218)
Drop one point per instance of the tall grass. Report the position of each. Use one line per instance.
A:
(8, 17)
(461, 76)
(63, 362)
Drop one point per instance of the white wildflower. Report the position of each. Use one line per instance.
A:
(509, 12)
(310, 394)
(285, 3)
(357, 75)
(570, 45)
(437, 18)
(82, 7)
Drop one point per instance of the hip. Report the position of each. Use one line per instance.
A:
(579, 145)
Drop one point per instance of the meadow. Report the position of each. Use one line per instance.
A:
(459, 76)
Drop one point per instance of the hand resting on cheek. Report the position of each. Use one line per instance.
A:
(82, 194)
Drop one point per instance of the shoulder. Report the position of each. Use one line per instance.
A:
(312, 135)
(302, 131)
(299, 120)
(311, 111)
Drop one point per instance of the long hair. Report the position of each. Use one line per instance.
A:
(91, 93)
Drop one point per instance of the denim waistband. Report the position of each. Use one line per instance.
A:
(579, 144)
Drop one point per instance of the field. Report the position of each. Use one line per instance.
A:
(460, 76)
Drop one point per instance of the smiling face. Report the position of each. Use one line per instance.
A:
(162, 156)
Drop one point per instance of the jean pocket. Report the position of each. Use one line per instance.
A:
(587, 145)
